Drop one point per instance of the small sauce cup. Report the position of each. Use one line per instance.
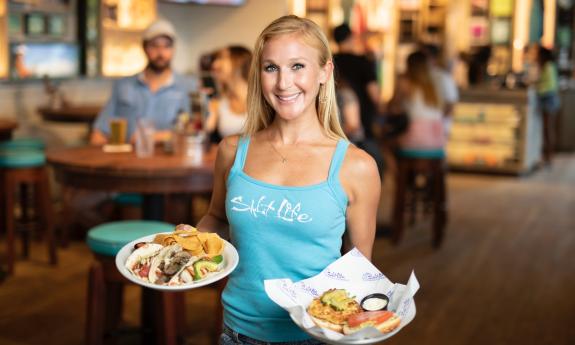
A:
(375, 302)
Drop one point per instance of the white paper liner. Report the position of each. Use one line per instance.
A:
(356, 274)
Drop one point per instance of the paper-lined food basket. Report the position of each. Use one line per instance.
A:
(357, 275)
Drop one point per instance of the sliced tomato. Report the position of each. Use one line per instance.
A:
(144, 271)
(374, 316)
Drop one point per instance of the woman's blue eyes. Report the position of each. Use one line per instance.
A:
(273, 68)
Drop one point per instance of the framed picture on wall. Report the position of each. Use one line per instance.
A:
(479, 27)
(500, 31)
(35, 24)
(14, 24)
(36, 60)
(56, 25)
(501, 8)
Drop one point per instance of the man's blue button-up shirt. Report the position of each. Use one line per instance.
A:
(132, 99)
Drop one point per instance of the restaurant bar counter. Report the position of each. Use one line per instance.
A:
(495, 130)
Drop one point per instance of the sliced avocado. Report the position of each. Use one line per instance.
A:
(340, 305)
(217, 259)
(334, 294)
(338, 299)
(202, 267)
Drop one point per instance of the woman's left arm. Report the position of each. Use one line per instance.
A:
(361, 181)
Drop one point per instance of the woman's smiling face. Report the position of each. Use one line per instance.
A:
(291, 76)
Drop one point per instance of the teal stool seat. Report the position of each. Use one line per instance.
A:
(23, 143)
(128, 199)
(108, 238)
(21, 158)
(422, 154)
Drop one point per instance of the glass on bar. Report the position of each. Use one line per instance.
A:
(118, 131)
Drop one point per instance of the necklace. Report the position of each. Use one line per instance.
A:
(284, 160)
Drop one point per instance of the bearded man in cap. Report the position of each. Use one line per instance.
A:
(157, 94)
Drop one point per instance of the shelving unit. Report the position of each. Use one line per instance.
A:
(422, 21)
(38, 38)
(433, 21)
(497, 133)
(319, 11)
(122, 24)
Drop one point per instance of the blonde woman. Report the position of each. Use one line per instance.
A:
(292, 191)
(230, 70)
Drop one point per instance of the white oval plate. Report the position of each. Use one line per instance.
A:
(230, 254)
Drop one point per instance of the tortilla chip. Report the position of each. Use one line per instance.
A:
(192, 240)
(214, 245)
(191, 244)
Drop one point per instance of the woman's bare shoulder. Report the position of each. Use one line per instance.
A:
(227, 150)
(358, 161)
(358, 169)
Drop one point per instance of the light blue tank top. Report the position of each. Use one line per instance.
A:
(279, 232)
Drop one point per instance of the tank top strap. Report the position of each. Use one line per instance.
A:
(337, 160)
(241, 154)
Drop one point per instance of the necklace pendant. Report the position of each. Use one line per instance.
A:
(284, 160)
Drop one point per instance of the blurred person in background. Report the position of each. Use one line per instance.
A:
(477, 71)
(444, 84)
(157, 93)
(349, 113)
(359, 73)
(417, 96)
(549, 102)
(230, 70)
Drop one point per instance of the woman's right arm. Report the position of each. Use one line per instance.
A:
(215, 219)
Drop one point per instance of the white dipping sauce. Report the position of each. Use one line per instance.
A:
(374, 303)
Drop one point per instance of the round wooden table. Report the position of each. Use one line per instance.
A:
(6, 128)
(91, 168)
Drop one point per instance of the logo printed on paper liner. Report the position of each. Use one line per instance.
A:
(309, 290)
(288, 289)
(367, 276)
(335, 275)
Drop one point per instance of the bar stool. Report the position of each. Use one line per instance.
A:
(428, 164)
(126, 206)
(29, 144)
(105, 284)
(25, 167)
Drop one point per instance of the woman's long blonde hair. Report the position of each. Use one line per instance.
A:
(260, 113)
(418, 73)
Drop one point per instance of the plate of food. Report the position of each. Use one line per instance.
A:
(180, 260)
(360, 322)
(350, 302)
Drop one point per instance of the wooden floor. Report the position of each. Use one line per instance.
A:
(505, 275)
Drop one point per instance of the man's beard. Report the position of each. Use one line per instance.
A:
(158, 67)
